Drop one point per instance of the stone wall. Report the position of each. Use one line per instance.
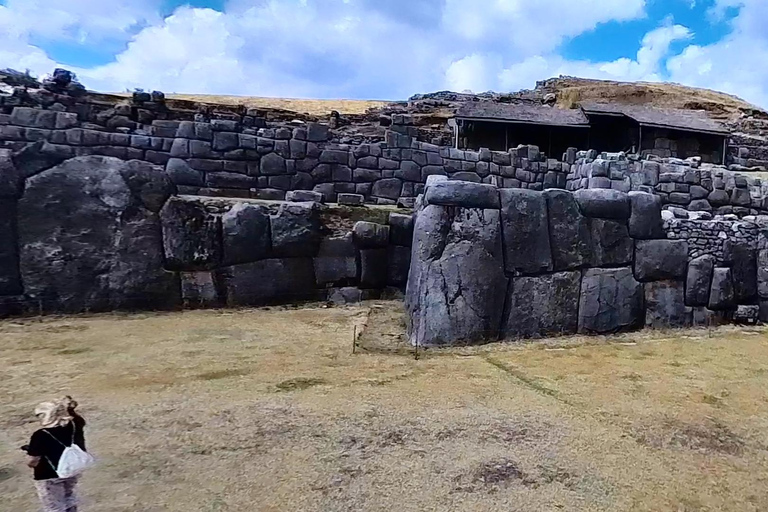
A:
(686, 184)
(97, 233)
(595, 261)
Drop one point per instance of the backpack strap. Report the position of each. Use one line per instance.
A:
(74, 428)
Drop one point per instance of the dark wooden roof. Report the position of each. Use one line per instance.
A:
(520, 113)
(687, 120)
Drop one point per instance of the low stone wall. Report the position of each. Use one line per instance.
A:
(98, 233)
(595, 261)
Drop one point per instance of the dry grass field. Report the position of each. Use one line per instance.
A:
(268, 410)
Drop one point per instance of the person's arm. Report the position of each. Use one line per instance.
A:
(80, 432)
(36, 449)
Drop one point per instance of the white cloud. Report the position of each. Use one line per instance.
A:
(370, 48)
(736, 64)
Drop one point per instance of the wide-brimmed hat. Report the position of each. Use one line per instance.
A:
(54, 414)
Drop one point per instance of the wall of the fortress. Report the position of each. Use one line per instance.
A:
(493, 264)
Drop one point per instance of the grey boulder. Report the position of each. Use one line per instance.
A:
(87, 241)
(456, 284)
(542, 306)
(245, 234)
(657, 260)
(462, 193)
(526, 231)
(296, 230)
(645, 216)
(603, 203)
(611, 300)
(569, 232)
(665, 305)
(699, 281)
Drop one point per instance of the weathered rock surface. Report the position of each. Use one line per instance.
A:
(373, 268)
(462, 193)
(336, 262)
(456, 284)
(200, 290)
(369, 235)
(699, 281)
(721, 296)
(398, 265)
(665, 305)
(611, 300)
(603, 203)
(569, 232)
(10, 280)
(88, 242)
(296, 230)
(246, 234)
(657, 260)
(611, 245)
(645, 216)
(272, 281)
(400, 229)
(744, 272)
(526, 231)
(542, 306)
(191, 235)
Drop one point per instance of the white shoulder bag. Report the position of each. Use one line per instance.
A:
(74, 460)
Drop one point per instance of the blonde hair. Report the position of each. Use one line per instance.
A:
(56, 413)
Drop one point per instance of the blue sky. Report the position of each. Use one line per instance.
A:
(387, 49)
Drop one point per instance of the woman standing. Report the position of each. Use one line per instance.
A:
(62, 426)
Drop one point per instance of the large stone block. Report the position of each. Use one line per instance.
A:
(191, 235)
(456, 284)
(373, 268)
(388, 188)
(526, 231)
(369, 235)
(645, 216)
(721, 295)
(762, 273)
(10, 279)
(398, 264)
(87, 241)
(400, 229)
(273, 281)
(569, 232)
(656, 260)
(603, 203)
(200, 290)
(10, 178)
(336, 262)
(182, 174)
(744, 272)
(611, 245)
(463, 193)
(611, 300)
(245, 233)
(296, 230)
(665, 305)
(699, 281)
(542, 306)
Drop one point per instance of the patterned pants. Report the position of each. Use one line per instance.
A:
(57, 494)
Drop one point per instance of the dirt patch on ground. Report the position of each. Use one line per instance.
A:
(269, 409)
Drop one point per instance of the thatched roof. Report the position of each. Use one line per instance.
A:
(522, 113)
(687, 120)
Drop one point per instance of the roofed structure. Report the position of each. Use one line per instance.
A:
(676, 119)
(522, 113)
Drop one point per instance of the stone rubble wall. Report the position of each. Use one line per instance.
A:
(594, 261)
